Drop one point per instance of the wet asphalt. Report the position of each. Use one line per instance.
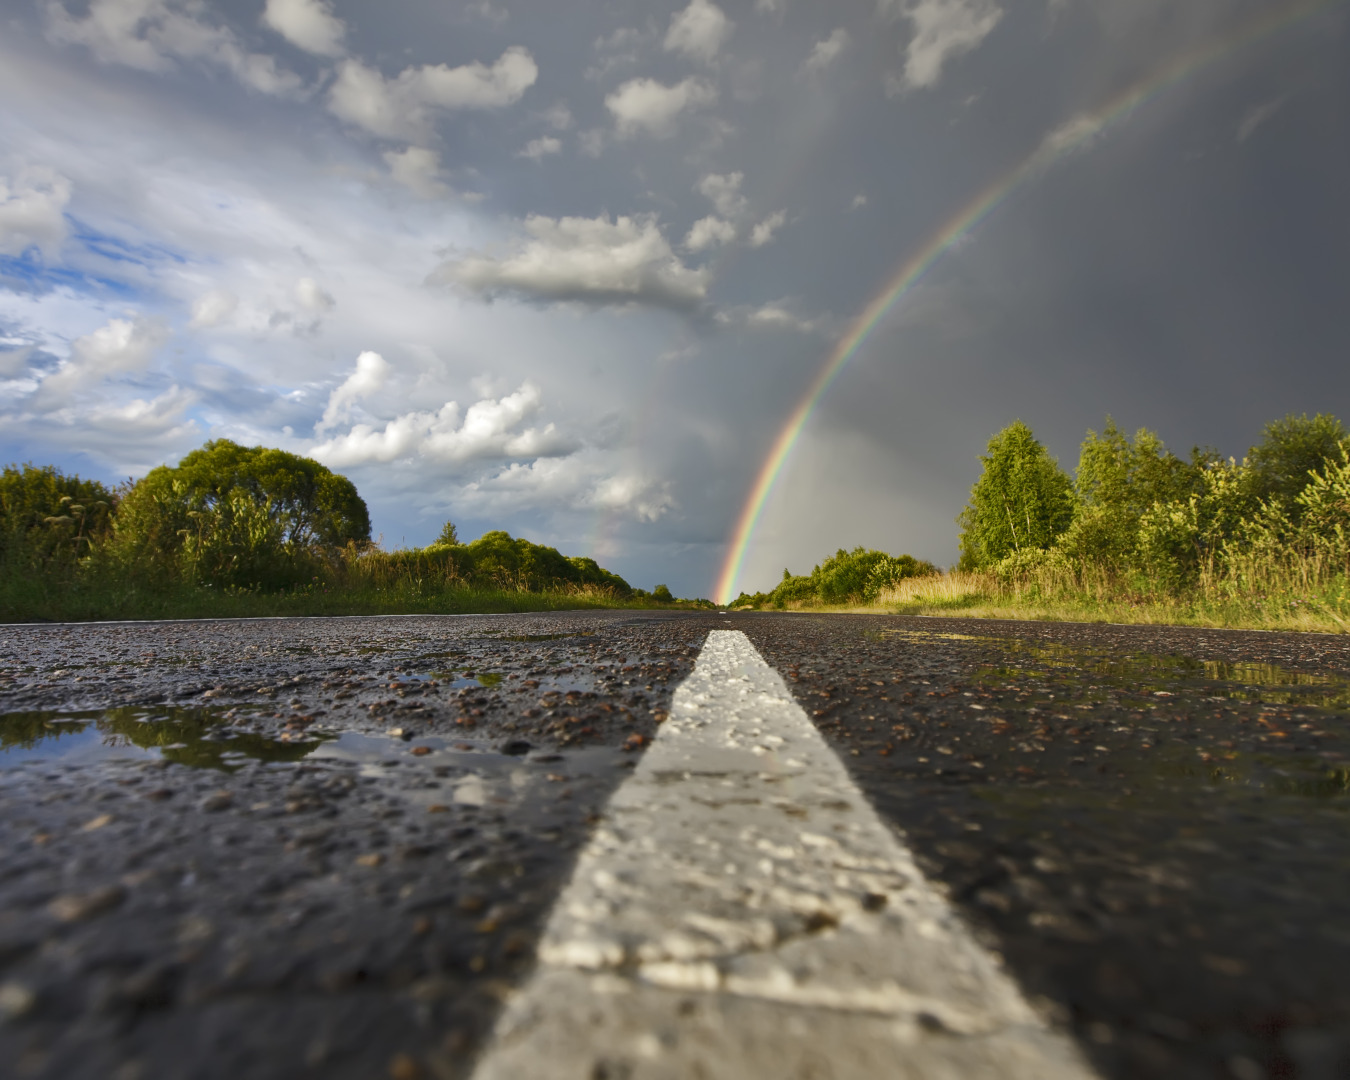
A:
(282, 848)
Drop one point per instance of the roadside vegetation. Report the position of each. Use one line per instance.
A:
(846, 578)
(237, 531)
(1142, 535)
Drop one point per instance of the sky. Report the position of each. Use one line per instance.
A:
(569, 269)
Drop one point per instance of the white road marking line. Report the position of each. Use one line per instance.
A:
(742, 912)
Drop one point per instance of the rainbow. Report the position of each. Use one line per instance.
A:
(1078, 133)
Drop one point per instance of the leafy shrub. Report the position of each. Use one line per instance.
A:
(505, 562)
(50, 521)
(663, 594)
(844, 575)
(792, 589)
(855, 576)
(889, 571)
(1325, 508)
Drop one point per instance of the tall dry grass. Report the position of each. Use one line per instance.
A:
(955, 587)
(1274, 591)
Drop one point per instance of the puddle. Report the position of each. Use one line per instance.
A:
(925, 635)
(430, 770)
(199, 737)
(1161, 676)
(548, 637)
(454, 680)
(454, 772)
(1243, 773)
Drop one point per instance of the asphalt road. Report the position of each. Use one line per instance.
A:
(328, 847)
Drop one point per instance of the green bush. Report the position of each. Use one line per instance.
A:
(49, 522)
(663, 594)
(846, 577)
(792, 590)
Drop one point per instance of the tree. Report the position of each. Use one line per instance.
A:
(507, 562)
(1281, 464)
(230, 514)
(1022, 501)
(663, 594)
(1118, 480)
(449, 536)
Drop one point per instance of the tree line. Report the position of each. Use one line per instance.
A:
(1137, 518)
(230, 519)
(859, 576)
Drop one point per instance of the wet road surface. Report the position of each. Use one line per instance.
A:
(327, 847)
(1152, 825)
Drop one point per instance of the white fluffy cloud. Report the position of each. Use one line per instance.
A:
(488, 429)
(942, 29)
(825, 52)
(212, 309)
(576, 482)
(709, 232)
(401, 107)
(777, 315)
(418, 169)
(645, 105)
(32, 212)
(1076, 132)
(162, 417)
(724, 192)
(592, 260)
(152, 34)
(372, 372)
(307, 24)
(699, 31)
(762, 233)
(542, 147)
(122, 346)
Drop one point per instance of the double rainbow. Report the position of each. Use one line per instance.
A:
(1076, 134)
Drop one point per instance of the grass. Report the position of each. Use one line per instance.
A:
(1294, 592)
(91, 601)
(1318, 606)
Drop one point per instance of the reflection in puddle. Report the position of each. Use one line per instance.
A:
(454, 680)
(450, 770)
(1245, 773)
(548, 637)
(1163, 675)
(925, 635)
(199, 737)
(1167, 725)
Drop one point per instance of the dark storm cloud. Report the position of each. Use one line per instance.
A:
(557, 215)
